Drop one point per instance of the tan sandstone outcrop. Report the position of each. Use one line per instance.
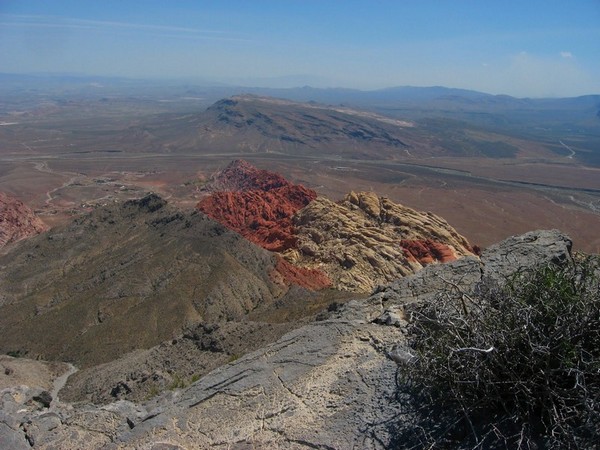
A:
(366, 240)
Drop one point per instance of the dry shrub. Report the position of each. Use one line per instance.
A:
(515, 365)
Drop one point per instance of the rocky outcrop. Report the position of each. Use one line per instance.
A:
(17, 221)
(176, 363)
(264, 218)
(427, 251)
(256, 203)
(330, 384)
(366, 240)
(351, 245)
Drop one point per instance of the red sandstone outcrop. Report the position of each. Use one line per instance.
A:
(17, 221)
(256, 203)
(240, 176)
(426, 251)
(287, 273)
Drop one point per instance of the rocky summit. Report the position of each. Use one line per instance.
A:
(17, 221)
(329, 384)
(241, 176)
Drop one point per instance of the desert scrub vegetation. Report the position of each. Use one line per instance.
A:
(512, 365)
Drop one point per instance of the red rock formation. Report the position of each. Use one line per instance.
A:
(308, 278)
(426, 251)
(258, 204)
(17, 221)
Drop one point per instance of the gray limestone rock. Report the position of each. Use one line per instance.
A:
(528, 250)
(12, 439)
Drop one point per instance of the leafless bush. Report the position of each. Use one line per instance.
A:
(511, 366)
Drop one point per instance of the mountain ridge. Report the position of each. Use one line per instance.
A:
(137, 266)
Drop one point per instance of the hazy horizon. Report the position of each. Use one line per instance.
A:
(536, 49)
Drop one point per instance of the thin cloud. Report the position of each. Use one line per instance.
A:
(566, 55)
(35, 21)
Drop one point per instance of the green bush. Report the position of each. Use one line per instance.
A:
(511, 366)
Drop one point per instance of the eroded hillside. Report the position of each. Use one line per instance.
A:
(366, 240)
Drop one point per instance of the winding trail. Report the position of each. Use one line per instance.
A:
(42, 166)
(568, 148)
(59, 383)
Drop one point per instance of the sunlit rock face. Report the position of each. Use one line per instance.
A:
(260, 205)
(354, 245)
(366, 240)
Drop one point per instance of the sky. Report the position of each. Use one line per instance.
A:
(525, 48)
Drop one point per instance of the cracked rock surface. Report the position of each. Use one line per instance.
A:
(330, 384)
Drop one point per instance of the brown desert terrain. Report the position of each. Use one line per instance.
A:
(67, 159)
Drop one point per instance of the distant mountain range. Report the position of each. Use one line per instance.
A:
(335, 122)
(301, 92)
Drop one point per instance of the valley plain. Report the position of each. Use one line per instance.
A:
(492, 166)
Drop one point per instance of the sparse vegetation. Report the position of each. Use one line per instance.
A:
(153, 391)
(194, 378)
(179, 382)
(513, 366)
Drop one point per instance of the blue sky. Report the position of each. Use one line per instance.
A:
(522, 48)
